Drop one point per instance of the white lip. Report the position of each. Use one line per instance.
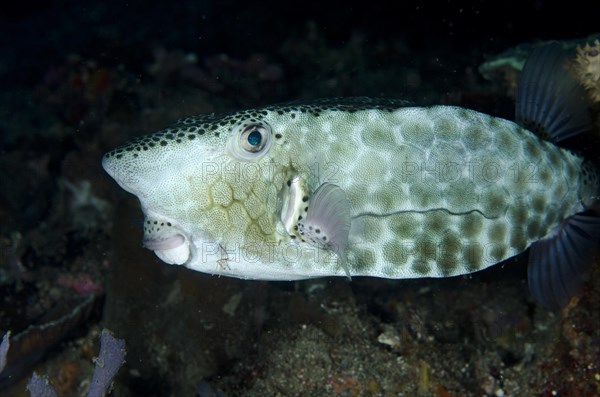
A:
(175, 256)
(174, 249)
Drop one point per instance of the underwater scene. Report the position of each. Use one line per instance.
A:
(225, 198)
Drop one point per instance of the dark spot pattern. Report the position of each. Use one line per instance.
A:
(213, 124)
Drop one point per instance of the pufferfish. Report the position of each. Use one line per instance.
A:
(374, 187)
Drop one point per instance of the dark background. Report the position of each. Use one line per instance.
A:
(34, 33)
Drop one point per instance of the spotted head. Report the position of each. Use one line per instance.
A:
(207, 186)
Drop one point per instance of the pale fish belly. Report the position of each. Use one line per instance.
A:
(441, 191)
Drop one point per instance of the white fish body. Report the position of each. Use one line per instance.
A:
(425, 191)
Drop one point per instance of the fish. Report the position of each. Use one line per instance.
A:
(375, 187)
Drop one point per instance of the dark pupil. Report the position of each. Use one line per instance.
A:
(254, 138)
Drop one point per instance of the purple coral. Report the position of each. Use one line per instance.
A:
(110, 359)
(4, 350)
(39, 386)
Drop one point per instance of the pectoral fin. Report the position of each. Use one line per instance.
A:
(327, 222)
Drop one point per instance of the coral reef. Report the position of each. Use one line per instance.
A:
(108, 362)
(587, 69)
(29, 345)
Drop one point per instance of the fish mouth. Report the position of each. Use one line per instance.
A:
(174, 244)
(167, 239)
(173, 249)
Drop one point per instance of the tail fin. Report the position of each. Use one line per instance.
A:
(558, 265)
(549, 100)
(551, 103)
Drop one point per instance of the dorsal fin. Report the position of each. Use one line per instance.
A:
(549, 100)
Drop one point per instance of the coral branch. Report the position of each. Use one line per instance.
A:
(39, 386)
(108, 362)
(110, 359)
(4, 350)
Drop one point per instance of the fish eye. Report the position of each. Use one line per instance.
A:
(250, 140)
